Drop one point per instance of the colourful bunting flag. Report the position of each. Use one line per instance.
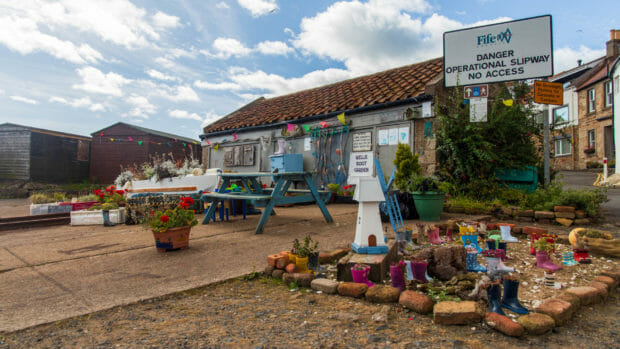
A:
(139, 142)
(216, 147)
(507, 102)
(341, 118)
(111, 139)
(158, 143)
(224, 140)
(194, 142)
(101, 134)
(291, 127)
(306, 128)
(234, 136)
(323, 124)
(170, 145)
(130, 139)
(175, 139)
(184, 144)
(208, 143)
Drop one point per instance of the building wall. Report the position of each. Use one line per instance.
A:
(14, 152)
(58, 159)
(597, 121)
(616, 114)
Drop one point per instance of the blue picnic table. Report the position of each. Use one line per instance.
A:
(269, 197)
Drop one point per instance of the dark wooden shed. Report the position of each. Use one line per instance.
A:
(28, 153)
(124, 145)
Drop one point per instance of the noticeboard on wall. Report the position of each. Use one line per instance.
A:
(362, 141)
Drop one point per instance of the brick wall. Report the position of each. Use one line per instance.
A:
(596, 120)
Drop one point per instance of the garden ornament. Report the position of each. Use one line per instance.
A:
(581, 255)
(495, 266)
(471, 239)
(419, 271)
(505, 230)
(106, 219)
(433, 237)
(472, 262)
(479, 290)
(396, 273)
(281, 144)
(493, 293)
(550, 280)
(369, 237)
(510, 300)
(408, 270)
(360, 272)
(568, 259)
(543, 261)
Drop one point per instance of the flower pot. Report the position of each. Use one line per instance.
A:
(172, 239)
(292, 258)
(302, 264)
(429, 205)
(313, 261)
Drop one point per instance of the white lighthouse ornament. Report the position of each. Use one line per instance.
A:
(369, 238)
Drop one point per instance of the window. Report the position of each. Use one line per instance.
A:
(560, 115)
(562, 146)
(591, 100)
(609, 94)
(591, 138)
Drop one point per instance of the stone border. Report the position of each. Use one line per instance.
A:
(552, 312)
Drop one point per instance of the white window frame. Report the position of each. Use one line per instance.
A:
(591, 100)
(559, 150)
(553, 115)
(609, 93)
(592, 138)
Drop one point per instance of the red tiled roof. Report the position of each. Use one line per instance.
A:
(387, 86)
(597, 73)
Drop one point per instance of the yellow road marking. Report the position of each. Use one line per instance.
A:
(599, 179)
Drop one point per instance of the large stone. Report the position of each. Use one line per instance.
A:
(382, 294)
(564, 221)
(603, 289)
(302, 279)
(569, 215)
(545, 221)
(444, 262)
(544, 215)
(536, 323)
(379, 264)
(416, 301)
(325, 285)
(610, 282)
(352, 289)
(325, 258)
(529, 230)
(570, 298)
(587, 295)
(580, 214)
(277, 273)
(457, 313)
(614, 274)
(581, 221)
(560, 310)
(563, 209)
(504, 324)
(525, 213)
(268, 270)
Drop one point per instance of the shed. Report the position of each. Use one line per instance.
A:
(28, 153)
(124, 145)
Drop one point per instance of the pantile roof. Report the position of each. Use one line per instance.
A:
(383, 87)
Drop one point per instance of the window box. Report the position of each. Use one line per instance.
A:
(589, 150)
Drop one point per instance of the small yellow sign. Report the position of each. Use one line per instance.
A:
(548, 92)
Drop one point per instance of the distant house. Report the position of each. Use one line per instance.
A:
(614, 76)
(124, 145)
(33, 154)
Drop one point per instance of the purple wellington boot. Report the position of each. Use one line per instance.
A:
(543, 261)
(360, 274)
(396, 273)
(419, 271)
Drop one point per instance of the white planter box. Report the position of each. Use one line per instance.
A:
(95, 217)
(176, 185)
(37, 209)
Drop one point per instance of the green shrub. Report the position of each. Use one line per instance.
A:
(41, 198)
(407, 167)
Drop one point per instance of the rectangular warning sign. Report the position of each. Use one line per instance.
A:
(548, 92)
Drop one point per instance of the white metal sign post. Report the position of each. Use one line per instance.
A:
(515, 50)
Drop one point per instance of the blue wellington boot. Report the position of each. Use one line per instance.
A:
(472, 264)
(493, 293)
(510, 300)
(471, 240)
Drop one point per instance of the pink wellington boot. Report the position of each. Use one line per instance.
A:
(543, 261)
(449, 235)
(433, 237)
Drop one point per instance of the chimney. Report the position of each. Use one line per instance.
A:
(613, 45)
(579, 62)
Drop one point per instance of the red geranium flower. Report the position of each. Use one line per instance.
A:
(188, 200)
(164, 218)
(121, 192)
(97, 192)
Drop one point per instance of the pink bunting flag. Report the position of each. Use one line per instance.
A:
(291, 127)
(101, 134)
(130, 139)
(234, 136)
(208, 143)
(323, 124)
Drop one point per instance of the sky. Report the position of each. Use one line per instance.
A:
(78, 66)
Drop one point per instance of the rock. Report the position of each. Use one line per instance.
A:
(348, 317)
(517, 230)
(544, 215)
(580, 214)
(383, 314)
(564, 221)
(545, 221)
(560, 310)
(272, 258)
(325, 285)
(535, 323)
(269, 270)
(444, 262)
(570, 298)
(382, 294)
(525, 213)
(614, 274)
(290, 268)
(603, 289)
(504, 324)
(302, 279)
(325, 258)
(282, 262)
(352, 289)
(610, 282)
(457, 313)
(525, 219)
(581, 221)
(277, 273)
(416, 301)
(564, 209)
(529, 230)
(587, 295)
(492, 226)
(569, 215)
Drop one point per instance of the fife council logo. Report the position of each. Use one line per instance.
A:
(491, 39)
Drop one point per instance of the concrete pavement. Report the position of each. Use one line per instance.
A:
(59, 272)
(585, 180)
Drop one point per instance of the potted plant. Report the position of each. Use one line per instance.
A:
(313, 252)
(303, 253)
(292, 257)
(171, 227)
(544, 247)
(407, 167)
(427, 197)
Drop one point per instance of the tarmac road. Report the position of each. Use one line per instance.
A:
(584, 180)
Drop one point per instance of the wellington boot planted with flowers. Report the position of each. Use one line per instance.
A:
(543, 261)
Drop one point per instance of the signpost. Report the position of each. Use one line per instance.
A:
(515, 50)
(476, 91)
(548, 92)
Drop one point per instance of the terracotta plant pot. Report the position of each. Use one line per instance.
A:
(172, 239)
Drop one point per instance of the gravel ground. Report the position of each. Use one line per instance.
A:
(263, 313)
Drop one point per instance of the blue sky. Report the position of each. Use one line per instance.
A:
(78, 66)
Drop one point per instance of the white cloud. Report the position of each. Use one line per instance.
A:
(177, 93)
(155, 74)
(273, 48)
(222, 5)
(227, 47)
(182, 114)
(23, 35)
(96, 107)
(566, 58)
(210, 117)
(222, 86)
(374, 35)
(258, 7)
(142, 108)
(23, 100)
(163, 20)
(84, 102)
(95, 81)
